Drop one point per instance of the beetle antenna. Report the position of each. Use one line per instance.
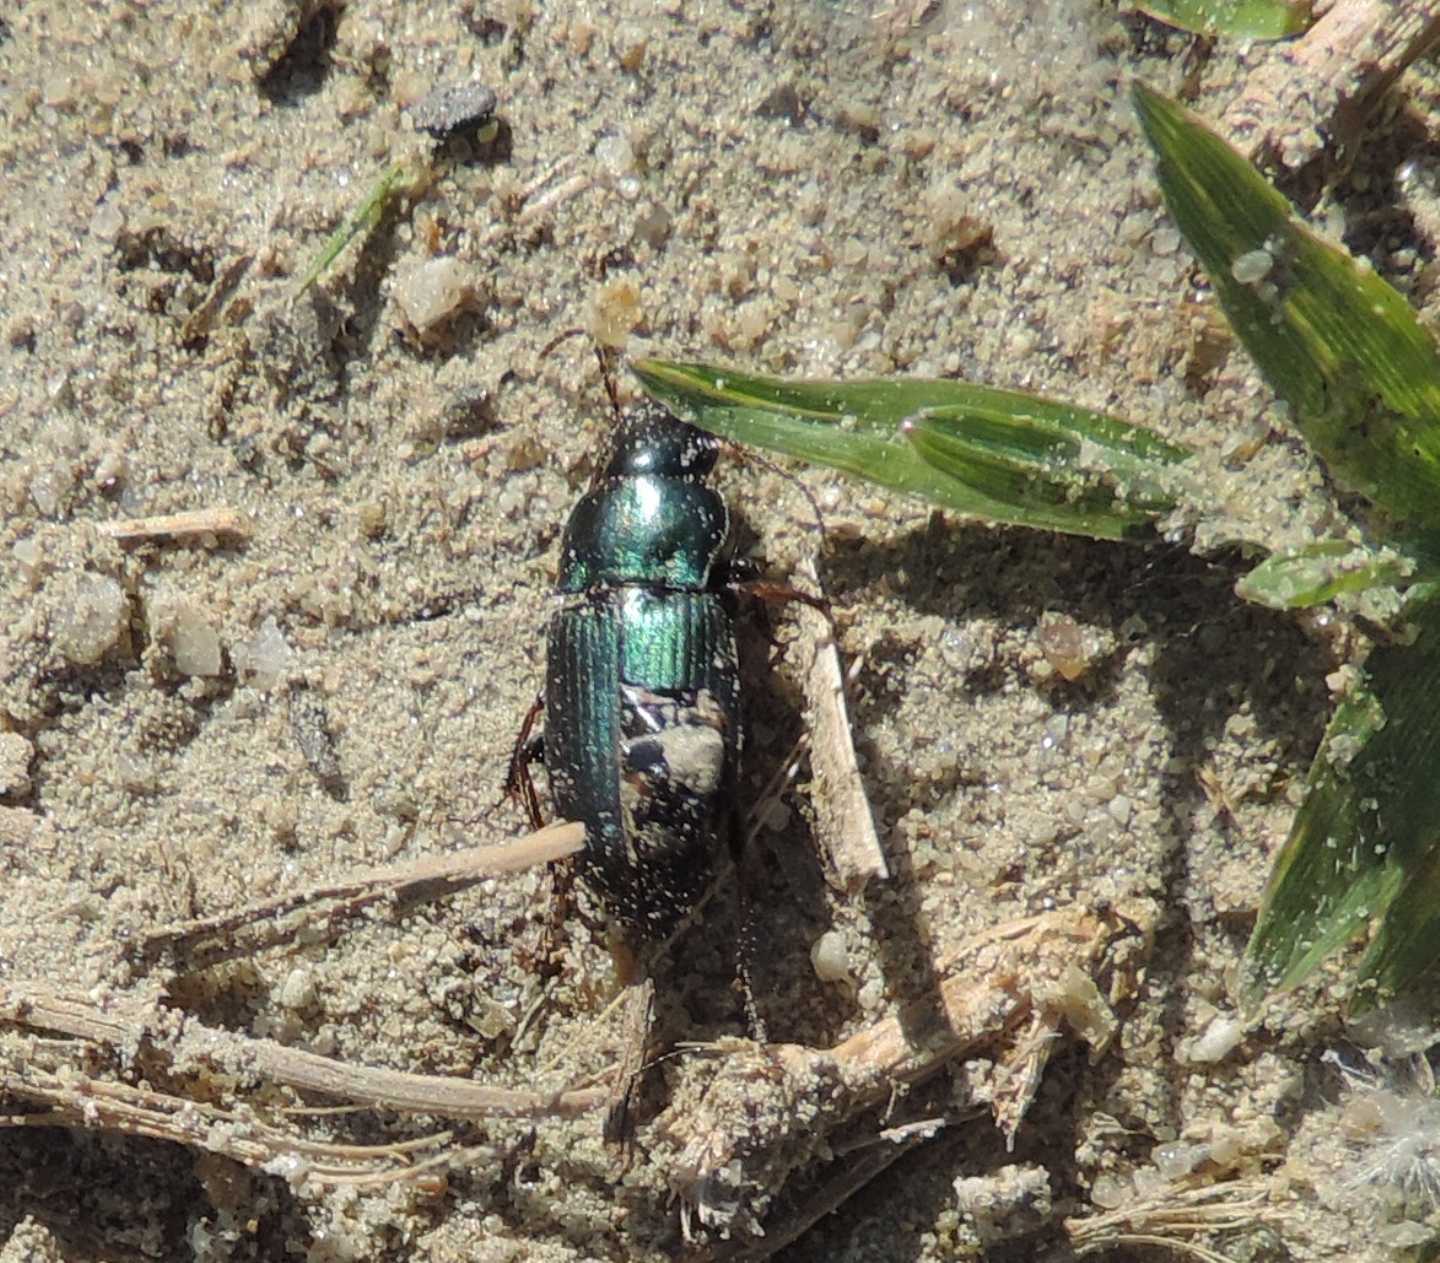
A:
(602, 355)
(607, 375)
(805, 491)
(563, 336)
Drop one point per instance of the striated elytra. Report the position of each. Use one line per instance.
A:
(642, 690)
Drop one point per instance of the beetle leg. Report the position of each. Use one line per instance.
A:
(759, 595)
(772, 592)
(747, 940)
(530, 749)
(742, 579)
(560, 906)
(518, 781)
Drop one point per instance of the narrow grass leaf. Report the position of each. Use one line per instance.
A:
(359, 222)
(1060, 460)
(991, 454)
(1320, 572)
(1362, 850)
(1234, 19)
(1339, 345)
(1405, 949)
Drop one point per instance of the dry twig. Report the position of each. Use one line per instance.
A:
(736, 1151)
(847, 1179)
(1010, 988)
(189, 1053)
(840, 800)
(202, 528)
(200, 943)
(195, 1064)
(1177, 1214)
(1318, 92)
(65, 1098)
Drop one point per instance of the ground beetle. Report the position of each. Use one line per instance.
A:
(642, 728)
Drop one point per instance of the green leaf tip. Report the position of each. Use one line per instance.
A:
(1320, 572)
(1339, 345)
(1234, 19)
(1364, 848)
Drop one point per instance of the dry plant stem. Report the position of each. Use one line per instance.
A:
(557, 196)
(639, 1019)
(207, 941)
(1317, 92)
(534, 204)
(73, 1100)
(1027, 977)
(202, 319)
(202, 527)
(1175, 1214)
(846, 822)
(178, 1047)
(996, 983)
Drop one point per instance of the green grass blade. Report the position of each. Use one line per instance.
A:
(1321, 572)
(359, 222)
(1338, 344)
(1068, 458)
(1235, 19)
(1405, 949)
(1362, 849)
(990, 454)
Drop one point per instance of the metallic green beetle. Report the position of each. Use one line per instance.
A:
(642, 683)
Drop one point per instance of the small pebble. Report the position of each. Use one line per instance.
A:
(310, 725)
(830, 957)
(454, 108)
(265, 660)
(180, 623)
(195, 644)
(371, 515)
(628, 44)
(615, 311)
(1175, 1161)
(1219, 1040)
(1165, 242)
(15, 756)
(298, 990)
(108, 221)
(1062, 641)
(1109, 1191)
(653, 225)
(49, 488)
(91, 616)
(110, 469)
(432, 292)
(616, 156)
(28, 556)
